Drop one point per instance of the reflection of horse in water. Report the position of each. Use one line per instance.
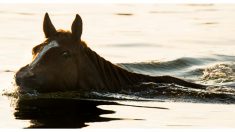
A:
(61, 113)
(64, 62)
(66, 113)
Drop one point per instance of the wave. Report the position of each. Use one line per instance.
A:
(198, 69)
(157, 68)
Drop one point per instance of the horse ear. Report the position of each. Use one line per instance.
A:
(77, 28)
(48, 28)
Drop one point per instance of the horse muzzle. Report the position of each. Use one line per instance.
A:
(27, 80)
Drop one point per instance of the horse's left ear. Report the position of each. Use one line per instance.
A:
(77, 28)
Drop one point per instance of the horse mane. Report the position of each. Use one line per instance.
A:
(113, 75)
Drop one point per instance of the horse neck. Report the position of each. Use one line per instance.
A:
(112, 76)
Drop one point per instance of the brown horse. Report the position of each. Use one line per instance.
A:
(64, 62)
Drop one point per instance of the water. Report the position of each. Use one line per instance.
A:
(193, 42)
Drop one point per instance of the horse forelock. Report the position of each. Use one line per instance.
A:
(66, 37)
(62, 37)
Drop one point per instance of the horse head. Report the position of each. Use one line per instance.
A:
(55, 61)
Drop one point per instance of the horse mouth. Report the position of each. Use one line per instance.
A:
(28, 92)
(23, 89)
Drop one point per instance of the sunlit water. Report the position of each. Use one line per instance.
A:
(194, 42)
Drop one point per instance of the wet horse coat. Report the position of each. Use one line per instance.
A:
(64, 62)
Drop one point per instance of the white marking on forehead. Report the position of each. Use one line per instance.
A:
(52, 44)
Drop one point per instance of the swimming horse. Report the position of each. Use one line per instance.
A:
(63, 62)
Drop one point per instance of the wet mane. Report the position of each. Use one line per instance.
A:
(110, 72)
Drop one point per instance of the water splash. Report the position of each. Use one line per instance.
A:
(219, 73)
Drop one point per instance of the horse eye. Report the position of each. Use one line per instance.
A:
(66, 54)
